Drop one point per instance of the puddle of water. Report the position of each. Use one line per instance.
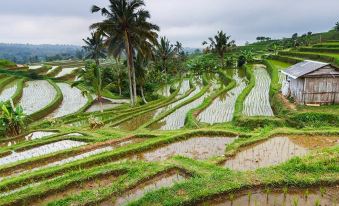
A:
(222, 108)
(92, 184)
(257, 103)
(137, 121)
(292, 197)
(275, 151)
(39, 151)
(72, 102)
(8, 91)
(161, 181)
(36, 95)
(74, 134)
(199, 148)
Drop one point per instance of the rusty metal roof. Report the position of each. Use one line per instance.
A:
(303, 68)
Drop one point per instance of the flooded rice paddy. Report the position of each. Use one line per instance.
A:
(66, 71)
(276, 151)
(222, 108)
(36, 95)
(39, 135)
(39, 151)
(156, 183)
(328, 196)
(8, 91)
(102, 180)
(199, 148)
(73, 101)
(176, 119)
(137, 121)
(96, 106)
(257, 103)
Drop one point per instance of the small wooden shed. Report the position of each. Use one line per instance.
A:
(312, 82)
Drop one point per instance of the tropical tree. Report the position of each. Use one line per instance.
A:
(11, 119)
(220, 44)
(126, 27)
(336, 27)
(245, 57)
(163, 52)
(178, 48)
(93, 77)
(94, 47)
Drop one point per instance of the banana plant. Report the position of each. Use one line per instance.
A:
(11, 119)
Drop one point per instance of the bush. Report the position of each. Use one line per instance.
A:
(315, 119)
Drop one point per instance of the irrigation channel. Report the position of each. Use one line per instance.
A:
(257, 103)
(36, 95)
(277, 150)
(222, 108)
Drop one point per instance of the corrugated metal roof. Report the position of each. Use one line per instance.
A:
(303, 68)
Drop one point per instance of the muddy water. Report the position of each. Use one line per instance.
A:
(222, 108)
(39, 151)
(199, 148)
(277, 150)
(95, 183)
(257, 102)
(161, 181)
(328, 196)
(137, 121)
(8, 91)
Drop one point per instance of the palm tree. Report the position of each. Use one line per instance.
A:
(220, 44)
(95, 81)
(94, 47)
(126, 27)
(140, 66)
(163, 52)
(178, 48)
(11, 119)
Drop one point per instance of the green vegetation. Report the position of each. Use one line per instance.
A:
(132, 77)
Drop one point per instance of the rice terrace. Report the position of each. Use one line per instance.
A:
(156, 110)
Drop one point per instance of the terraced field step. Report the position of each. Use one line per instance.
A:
(276, 151)
(287, 197)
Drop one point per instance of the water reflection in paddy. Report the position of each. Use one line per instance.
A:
(199, 148)
(277, 150)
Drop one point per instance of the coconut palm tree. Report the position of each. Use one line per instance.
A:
(163, 52)
(336, 27)
(220, 44)
(126, 27)
(94, 47)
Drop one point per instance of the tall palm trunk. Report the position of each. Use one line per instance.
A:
(130, 59)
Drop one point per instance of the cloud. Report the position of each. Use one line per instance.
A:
(188, 21)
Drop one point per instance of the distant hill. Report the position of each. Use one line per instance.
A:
(28, 53)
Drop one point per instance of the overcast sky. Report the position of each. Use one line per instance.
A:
(188, 21)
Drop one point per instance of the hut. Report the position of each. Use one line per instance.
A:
(312, 83)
